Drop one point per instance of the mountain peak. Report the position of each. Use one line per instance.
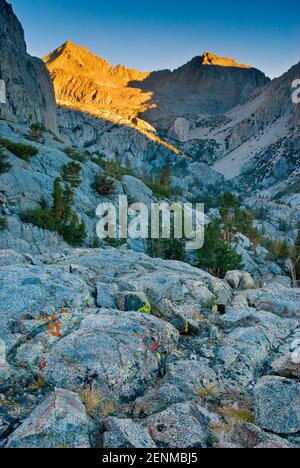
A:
(69, 43)
(208, 58)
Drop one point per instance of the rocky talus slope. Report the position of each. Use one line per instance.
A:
(82, 364)
(29, 90)
(105, 347)
(28, 183)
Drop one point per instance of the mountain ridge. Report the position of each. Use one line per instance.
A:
(29, 89)
(83, 54)
(87, 82)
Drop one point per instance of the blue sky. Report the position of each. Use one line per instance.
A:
(151, 35)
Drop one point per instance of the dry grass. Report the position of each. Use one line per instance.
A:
(241, 414)
(38, 385)
(96, 404)
(208, 393)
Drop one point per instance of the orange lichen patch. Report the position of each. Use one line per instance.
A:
(154, 346)
(41, 319)
(63, 311)
(54, 327)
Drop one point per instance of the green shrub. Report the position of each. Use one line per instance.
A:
(146, 309)
(40, 217)
(161, 187)
(159, 191)
(76, 154)
(3, 223)
(60, 217)
(4, 164)
(103, 185)
(216, 256)
(73, 231)
(113, 168)
(37, 131)
(285, 226)
(22, 151)
(70, 173)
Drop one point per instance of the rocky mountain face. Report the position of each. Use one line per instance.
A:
(29, 90)
(257, 142)
(106, 347)
(214, 110)
(206, 85)
(86, 82)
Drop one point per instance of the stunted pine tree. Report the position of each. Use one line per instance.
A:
(58, 205)
(295, 260)
(4, 164)
(71, 173)
(118, 168)
(165, 178)
(218, 255)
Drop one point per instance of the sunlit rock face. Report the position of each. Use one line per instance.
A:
(29, 91)
(88, 83)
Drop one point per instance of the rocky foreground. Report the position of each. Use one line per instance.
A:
(110, 348)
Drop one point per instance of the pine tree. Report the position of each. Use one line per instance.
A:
(173, 249)
(103, 185)
(165, 178)
(230, 201)
(58, 205)
(118, 169)
(4, 164)
(254, 237)
(68, 202)
(228, 221)
(75, 231)
(229, 206)
(295, 260)
(216, 256)
(61, 217)
(70, 173)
